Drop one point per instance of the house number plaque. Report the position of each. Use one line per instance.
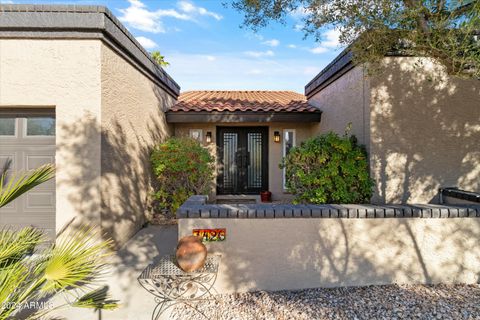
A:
(211, 235)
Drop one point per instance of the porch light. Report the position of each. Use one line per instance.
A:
(208, 137)
(276, 136)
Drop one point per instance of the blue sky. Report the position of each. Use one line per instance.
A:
(208, 50)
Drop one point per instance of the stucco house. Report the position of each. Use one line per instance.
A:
(77, 89)
(420, 127)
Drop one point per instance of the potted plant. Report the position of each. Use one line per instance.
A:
(266, 196)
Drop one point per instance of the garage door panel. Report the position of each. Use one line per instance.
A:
(9, 207)
(40, 200)
(8, 157)
(35, 161)
(37, 207)
(27, 219)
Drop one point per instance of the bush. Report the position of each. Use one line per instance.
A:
(328, 169)
(182, 168)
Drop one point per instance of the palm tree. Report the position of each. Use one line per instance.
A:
(157, 56)
(71, 265)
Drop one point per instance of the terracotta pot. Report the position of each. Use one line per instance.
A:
(266, 196)
(191, 253)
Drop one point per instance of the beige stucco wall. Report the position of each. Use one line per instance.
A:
(425, 132)
(275, 151)
(108, 116)
(132, 122)
(65, 75)
(345, 101)
(271, 254)
(421, 127)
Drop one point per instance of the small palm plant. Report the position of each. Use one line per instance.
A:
(159, 58)
(71, 266)
(20, 183)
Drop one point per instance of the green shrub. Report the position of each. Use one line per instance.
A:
(182, 168)
(328, 169)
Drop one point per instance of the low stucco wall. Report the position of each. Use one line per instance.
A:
(275, 175)
(296, 253)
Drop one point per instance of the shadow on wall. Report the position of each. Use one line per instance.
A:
(112, 188)
(425, 132)
(276, 254)
(336, 254)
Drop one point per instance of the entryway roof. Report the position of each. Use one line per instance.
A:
(280, 101)
(242, 106)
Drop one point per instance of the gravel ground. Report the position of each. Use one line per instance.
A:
(372, 302)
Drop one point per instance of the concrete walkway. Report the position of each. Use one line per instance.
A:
(136, 303)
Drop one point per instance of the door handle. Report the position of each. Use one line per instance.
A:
(238, 159)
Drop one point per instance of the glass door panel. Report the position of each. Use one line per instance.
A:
(243, 160)
(230, 174)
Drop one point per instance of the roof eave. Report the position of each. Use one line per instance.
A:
(81, 22)
(241, 116)
(339, 66)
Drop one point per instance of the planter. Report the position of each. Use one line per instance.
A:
(266, 196)
(191, 253)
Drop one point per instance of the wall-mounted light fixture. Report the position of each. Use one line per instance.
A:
(276, 136)
(208, 137)
(196, 134)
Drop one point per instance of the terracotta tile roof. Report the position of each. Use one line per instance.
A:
(230, 101)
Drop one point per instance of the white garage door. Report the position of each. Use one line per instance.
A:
(27, 140)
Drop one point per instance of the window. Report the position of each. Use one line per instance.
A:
(196, 134)
(288, 143)
(7, 126)
(41, 126)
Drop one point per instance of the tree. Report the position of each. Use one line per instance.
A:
(446, 30)
(71, 265)
(156, 55)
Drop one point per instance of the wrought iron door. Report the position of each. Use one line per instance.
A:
(243, 160)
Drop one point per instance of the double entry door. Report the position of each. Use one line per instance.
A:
(243, 160)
